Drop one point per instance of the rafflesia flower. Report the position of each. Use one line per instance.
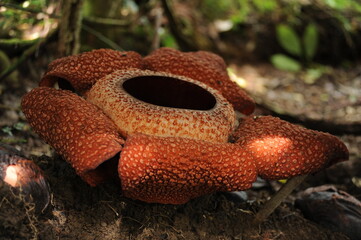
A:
(166, 125)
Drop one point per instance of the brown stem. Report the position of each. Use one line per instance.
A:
(173, 25)
(70, 25)
(277, 199)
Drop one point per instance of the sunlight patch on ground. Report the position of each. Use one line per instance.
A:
(248, 79)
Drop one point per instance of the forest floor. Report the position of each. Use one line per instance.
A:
(78, 211)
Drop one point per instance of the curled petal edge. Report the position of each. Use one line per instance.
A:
(76, 129)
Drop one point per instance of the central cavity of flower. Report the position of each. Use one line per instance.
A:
(169, 92)
(162, 104)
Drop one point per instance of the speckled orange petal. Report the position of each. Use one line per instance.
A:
(173, 170)
(84, 69)
(202, 66)
(76, 129)
(282, 150)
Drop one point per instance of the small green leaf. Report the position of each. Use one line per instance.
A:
(168, 40)
(289, 39)
(312, 74)
(7, 130)
(19, 126)
(265, 6)
(310, 41)
(337, 4)
(285, 63)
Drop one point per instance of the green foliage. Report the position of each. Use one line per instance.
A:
(293, 44)
(304, 48)
(7, 130)
(285, 63)
(215, 9)
(289, 39)
(17, 16)
(20, 126)
(265, 6)
(254, 8)
(312, 74)
(244, 9)
(237, 11)
(338, 4)
(310, 41)
(168, 40)
(341, 10)
(343, 14)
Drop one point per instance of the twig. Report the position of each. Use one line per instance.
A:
(107, 21)
(157, 25)
(69, 30)
(115, 212)
(19, 43)
(6, 107)
(277, 199)
(102, 38)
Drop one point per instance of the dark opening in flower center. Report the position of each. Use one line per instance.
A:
(169, 92)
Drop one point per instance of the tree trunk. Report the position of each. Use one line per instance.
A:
(70, 25)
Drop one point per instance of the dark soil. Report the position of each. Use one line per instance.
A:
(78, 211)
